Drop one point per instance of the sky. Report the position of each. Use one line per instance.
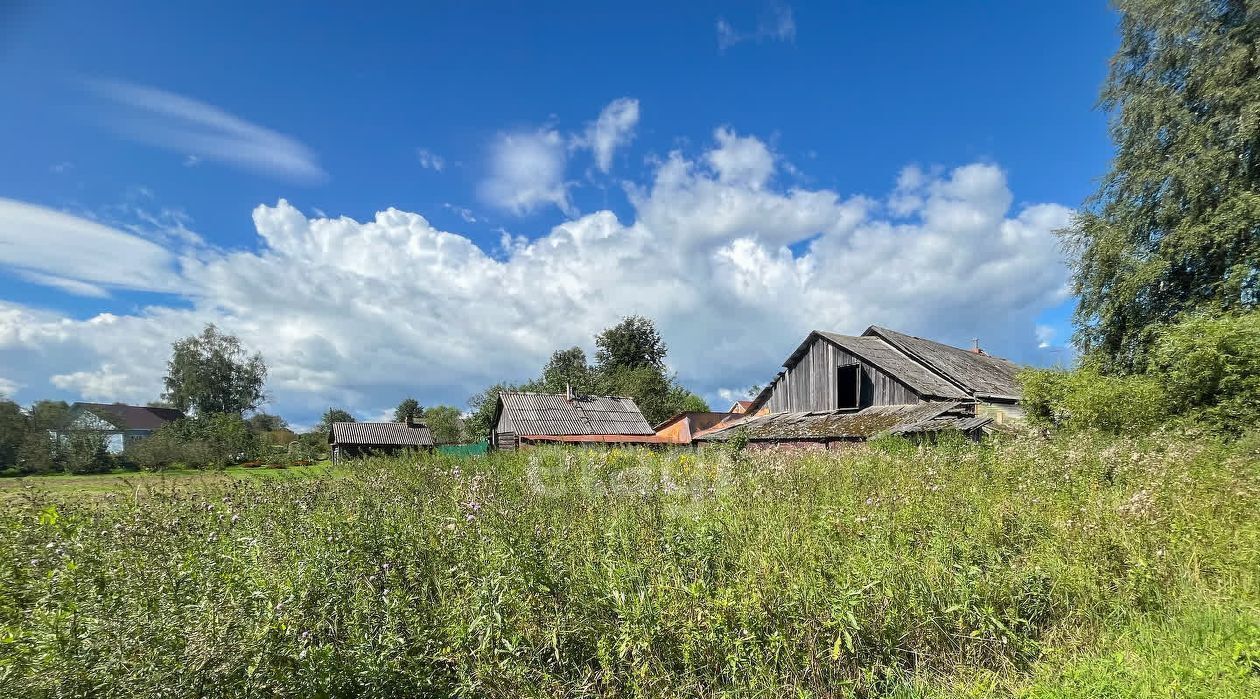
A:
(421, 201)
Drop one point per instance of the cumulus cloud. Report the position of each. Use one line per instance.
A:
(614, 128)
(776, 24)
(362, 313)
(79, 256)
(527, 171)
(197, 131)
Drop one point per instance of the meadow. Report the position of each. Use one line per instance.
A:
(1073, 566)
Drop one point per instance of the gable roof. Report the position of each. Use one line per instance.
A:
(380, 434)
(131, 417)
(895, 363)
(980, 374)
(536, 414)
(866, 423)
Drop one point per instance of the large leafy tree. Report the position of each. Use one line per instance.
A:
(408, 409)
(445, 423)
(567, 368)
(212, 373)
(633, 343)
(333, 415)
(1175, 224)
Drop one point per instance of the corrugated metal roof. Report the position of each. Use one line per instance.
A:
(981, 374)
(381, 434)
(898, 419)
(883, 355)
(552, 414)
(131, 417)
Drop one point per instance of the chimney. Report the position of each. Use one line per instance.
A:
(413, 421)
(568, 392)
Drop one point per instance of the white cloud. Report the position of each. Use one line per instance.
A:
(1045, 336)
(7, 387)
(430, 160)
(462, 211)
(362, 313)
(527, 171)
(614, 128)
(198, 130)
(776, 24)
(71, 253)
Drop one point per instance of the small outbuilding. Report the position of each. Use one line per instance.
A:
(683, 428)
(348, 440)
(523, 418)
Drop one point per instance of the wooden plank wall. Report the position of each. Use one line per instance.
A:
(811, 383)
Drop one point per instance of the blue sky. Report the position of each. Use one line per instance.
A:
(167, 127)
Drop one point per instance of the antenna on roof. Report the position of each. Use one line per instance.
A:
(975, 346)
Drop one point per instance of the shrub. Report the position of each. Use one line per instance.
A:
(1210, 367)
(85, 452)
(208, 441)
(1083, 399)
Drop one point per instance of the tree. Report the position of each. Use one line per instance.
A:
(12, 432)
(1175, 224)
(445, 423)
(407, 410)
(633, 343)
(264, 422)
(477, 424)
(567, 368)
(333, 415)
(49, 415)
(212, 373)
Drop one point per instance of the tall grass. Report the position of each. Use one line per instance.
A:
(1074, 566)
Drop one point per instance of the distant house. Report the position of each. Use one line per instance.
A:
(740, 406)
(347, 440)
(120, 425)
(836, 387)
(522, 418)
(684, 428)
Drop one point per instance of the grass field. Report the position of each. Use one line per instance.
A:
(1080, 566)
(140, 481)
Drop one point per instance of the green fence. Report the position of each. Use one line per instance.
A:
(473, 449)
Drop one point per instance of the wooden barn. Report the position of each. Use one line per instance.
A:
(835, 388)
(829, 371)
(347, 440)
(522, 418)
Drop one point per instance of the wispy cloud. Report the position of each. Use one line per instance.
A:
(612, 129)
(776, 24)
(430, 160)
(199, 130)
(80, 256)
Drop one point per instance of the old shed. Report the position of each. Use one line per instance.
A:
(354, 439)
(522, 418)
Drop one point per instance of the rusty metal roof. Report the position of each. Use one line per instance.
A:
(538, 414)
(863, 424)
(380, 434)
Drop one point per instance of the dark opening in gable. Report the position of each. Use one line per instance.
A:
(848, 386)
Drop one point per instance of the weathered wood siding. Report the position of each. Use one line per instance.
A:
(811, 383)
(504, 435)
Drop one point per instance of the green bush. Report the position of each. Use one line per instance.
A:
(1085, 399)
(85, 452)
(209, 441)
(1210, 368)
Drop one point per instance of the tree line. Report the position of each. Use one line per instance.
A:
(218, 384)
